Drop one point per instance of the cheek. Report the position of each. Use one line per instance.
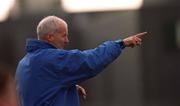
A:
(59, 39)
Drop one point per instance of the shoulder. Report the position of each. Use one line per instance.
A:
(59, 53)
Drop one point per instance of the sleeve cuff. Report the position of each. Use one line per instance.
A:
(121, 43)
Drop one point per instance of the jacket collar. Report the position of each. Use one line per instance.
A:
(34, 44)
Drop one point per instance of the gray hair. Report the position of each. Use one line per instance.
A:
(48, 25)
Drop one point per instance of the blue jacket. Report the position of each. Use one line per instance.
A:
(47, 76)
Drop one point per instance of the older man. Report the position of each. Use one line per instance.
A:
(48, 75)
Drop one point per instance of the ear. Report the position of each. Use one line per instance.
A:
(50, 38)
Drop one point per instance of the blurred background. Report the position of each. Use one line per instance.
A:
(148, 75)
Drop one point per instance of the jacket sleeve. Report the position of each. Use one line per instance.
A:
(82, 65)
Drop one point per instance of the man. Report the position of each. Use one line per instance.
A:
(48, 75)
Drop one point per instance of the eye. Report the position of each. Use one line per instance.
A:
(65, 34)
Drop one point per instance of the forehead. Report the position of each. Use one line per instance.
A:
(61, 27)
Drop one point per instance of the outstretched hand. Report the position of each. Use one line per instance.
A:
(81, 91)
(134, 40)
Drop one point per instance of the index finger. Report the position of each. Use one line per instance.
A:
(140, 35)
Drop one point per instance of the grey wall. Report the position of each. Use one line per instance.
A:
(161, 56)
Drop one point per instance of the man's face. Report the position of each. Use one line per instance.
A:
(60, 39)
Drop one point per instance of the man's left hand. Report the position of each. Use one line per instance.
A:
(81, 91)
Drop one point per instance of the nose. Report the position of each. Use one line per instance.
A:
(67, 40)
